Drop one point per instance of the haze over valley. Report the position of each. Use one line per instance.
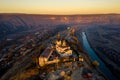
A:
(24, 38)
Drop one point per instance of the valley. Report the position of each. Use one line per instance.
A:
(23, 38)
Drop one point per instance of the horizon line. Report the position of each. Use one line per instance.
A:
(64, 14)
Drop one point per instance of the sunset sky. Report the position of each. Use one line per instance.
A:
(60, 6)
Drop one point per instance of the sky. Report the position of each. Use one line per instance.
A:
(60, 6)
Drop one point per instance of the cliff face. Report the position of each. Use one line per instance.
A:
(17, 23)
(105, 42)
(10, 23)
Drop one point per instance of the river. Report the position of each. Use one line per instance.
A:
(93, 57)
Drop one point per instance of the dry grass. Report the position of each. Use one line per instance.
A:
(25, 74)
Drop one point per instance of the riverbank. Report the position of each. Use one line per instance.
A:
(95, 40)
(87, 57)
(103, 65)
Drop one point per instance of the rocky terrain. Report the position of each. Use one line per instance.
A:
(105, 41)
(26, 66)
(24, 36)
(13, 23)
(20, 53)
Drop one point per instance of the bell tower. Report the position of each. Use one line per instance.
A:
(72, 31)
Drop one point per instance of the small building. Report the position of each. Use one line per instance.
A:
(44, 57)
(81, 59)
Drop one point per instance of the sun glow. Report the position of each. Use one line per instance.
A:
(60, 6)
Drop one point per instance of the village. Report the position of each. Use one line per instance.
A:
(58, 58)
(61, 61)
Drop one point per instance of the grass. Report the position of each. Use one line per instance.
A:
(26, 74)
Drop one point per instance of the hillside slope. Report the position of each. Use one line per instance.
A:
(11, 23)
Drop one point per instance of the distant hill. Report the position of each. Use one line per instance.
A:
(12, 23)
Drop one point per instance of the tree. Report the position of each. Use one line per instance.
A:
(96, 63)
(41, 48)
